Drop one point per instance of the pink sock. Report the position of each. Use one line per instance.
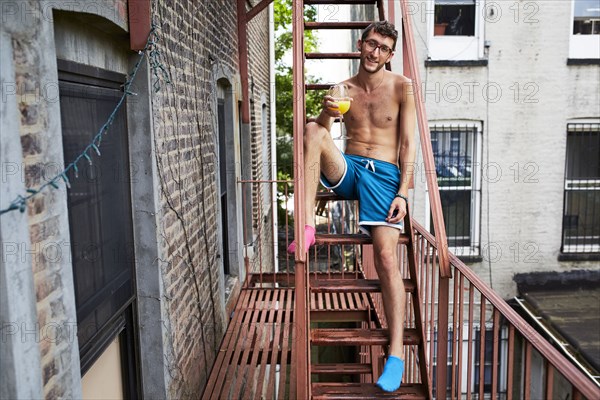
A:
(309, 239)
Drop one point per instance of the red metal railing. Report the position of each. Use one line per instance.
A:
(411, 70)
(489, 349)
(301, 310)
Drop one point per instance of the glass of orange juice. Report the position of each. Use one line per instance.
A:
(339, 92)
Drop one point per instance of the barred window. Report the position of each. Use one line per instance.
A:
(455, 149)
(581, 215)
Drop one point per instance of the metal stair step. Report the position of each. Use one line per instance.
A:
(336, 25)
(353, 285)
(341, 369)
(329, 195)
(317, 2)
(341, 315)
(359, 337)
(320, 56)
(316, 86)
(342, 391)
(350, 238)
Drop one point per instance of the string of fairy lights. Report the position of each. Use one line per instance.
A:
(93, 148)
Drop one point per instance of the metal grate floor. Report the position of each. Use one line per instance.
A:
(256, 358)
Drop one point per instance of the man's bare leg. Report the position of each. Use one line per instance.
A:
(385, 248)
(319, 153)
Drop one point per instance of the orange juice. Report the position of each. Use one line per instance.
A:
(343, 106)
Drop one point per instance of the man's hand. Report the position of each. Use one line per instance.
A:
(330, 107)
(397, 211)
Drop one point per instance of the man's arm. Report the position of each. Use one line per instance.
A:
(406, 154)
(324, 119)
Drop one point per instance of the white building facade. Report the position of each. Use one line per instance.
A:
(512, 93)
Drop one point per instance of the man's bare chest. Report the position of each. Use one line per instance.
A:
(375, 111)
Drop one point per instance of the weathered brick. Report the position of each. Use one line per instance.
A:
(31, 143)
(49, 370)
(29, 114)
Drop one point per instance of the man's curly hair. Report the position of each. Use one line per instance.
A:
(383, 28)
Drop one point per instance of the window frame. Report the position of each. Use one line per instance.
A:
(474, 249)
(582, 46)
(79, 78)
(570, 185)
(456, 48)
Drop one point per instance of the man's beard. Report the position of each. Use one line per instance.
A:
(364, 66)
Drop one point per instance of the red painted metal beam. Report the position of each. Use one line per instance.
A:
(442, 336)
(336, 25)
(243, 59)
(139, 23)
(257, 8)
(301, 315)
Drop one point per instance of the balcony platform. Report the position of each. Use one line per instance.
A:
(257, 356)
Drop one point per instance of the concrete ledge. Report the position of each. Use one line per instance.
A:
(456, 63)
(579, 257)
(583, 278)
(470, 259)
(583, 61)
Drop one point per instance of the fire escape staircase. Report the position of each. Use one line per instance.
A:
(371, 334)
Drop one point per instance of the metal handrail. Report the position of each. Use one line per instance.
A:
(301, 314)
(577, 378)
(411, 70)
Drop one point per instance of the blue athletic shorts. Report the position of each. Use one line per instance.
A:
(372, 182)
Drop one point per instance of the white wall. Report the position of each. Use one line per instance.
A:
(524, 131)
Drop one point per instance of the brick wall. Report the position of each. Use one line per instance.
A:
(194, 36)
(48, 285)
(258, 49)
(186, 145)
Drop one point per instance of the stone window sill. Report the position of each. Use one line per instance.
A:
(583, 61)
(456, 63)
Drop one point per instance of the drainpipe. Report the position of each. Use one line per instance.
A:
(273, 135)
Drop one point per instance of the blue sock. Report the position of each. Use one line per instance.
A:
(391, 378)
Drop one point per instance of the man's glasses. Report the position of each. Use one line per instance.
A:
(372, 45)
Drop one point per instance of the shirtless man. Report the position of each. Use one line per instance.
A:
(380, 123)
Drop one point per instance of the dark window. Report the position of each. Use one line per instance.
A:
(247, 187)
(448, 362)
(586, 17)
(454, 17)
(581, 216)
(99, 206)
(223, 182)
(487, 364)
